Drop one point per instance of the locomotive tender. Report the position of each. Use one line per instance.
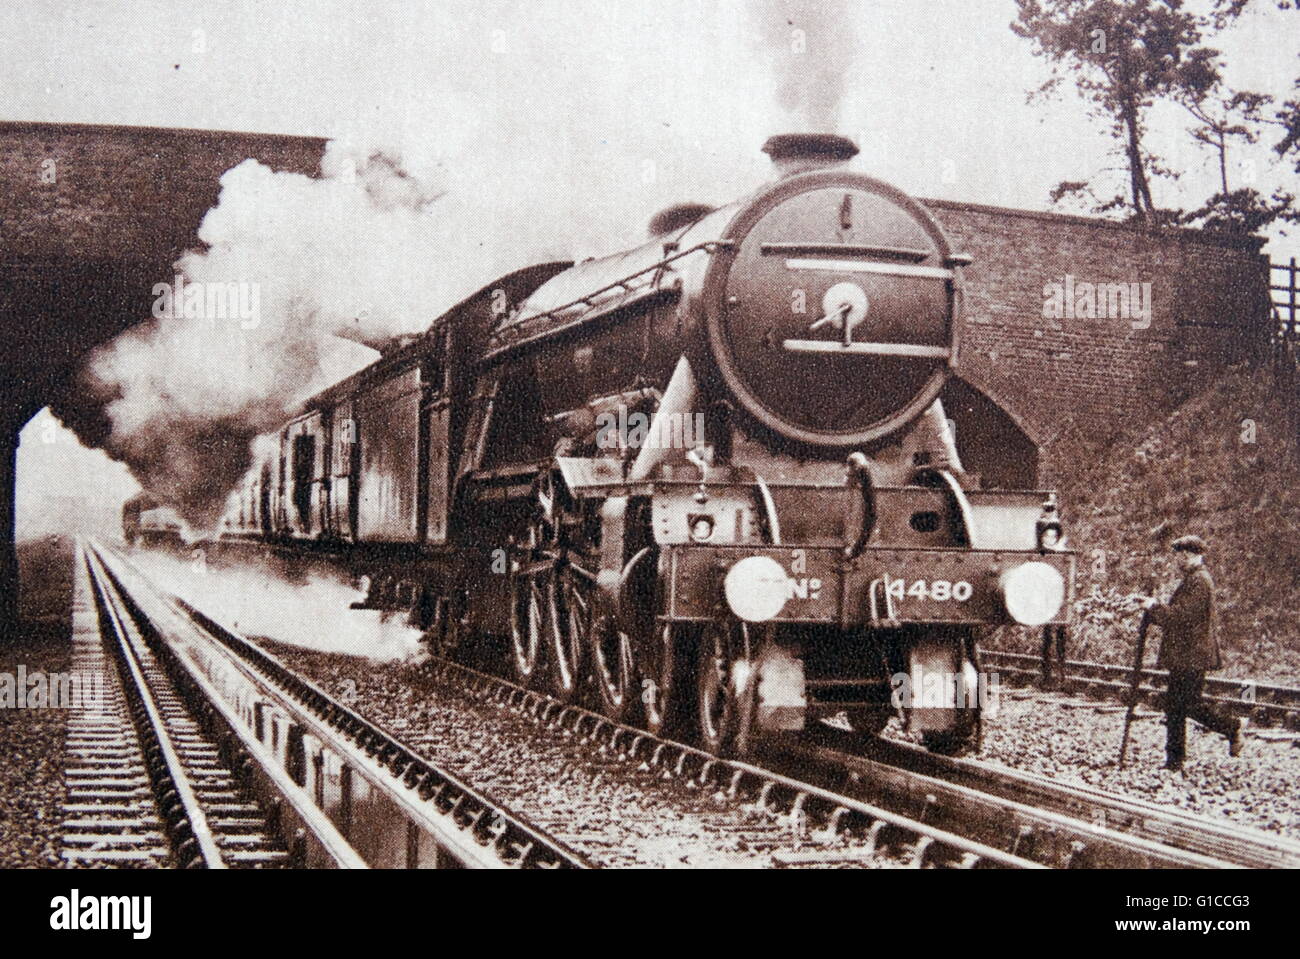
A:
(707, 482)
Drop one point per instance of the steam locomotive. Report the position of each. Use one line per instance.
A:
(150, 523)
(706, 484)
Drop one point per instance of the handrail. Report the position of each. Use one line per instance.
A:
(769, 506)
(959, 498)
(891, 615)
(624, 283)
(860, 477)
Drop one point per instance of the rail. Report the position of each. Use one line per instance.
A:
(1262, 702)
(337, 762)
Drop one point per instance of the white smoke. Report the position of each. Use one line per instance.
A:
(811, 47)
(338, 264)
(255, 599)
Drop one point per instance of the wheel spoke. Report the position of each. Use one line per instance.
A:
(536, 568)
(608, 651)
(565, 635)
(578, 601)
(724, 712)
(582, 571)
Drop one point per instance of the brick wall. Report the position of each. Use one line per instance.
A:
(108, 193)
(1074, 382)
(91, 217)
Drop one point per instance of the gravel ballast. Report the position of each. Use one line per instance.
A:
(32, 740)
(616, 812)
(1064, 738)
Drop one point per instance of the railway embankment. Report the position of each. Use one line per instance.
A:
(1221, 465)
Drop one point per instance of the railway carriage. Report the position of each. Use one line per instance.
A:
(707, 483)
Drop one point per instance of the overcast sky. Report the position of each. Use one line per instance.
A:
(681, 82)
(613, 108)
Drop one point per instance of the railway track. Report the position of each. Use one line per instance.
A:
(335, 790)
(622, 796)
(813, 804)
(147, 787)
(834, 826)
(1047, 825)
(1263, 703)
(1001, 801)
(1023, 816)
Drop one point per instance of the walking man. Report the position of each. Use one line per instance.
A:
(1188, 649)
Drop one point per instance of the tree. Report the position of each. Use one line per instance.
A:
(1123, 55)
(1289, 118)
(1223, 117)
(1245, 211)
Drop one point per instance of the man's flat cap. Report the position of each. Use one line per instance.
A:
(1188, 544)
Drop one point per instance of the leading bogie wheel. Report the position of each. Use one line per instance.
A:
(664, 662)
(725, 689)
(965, 739)
(869, 723)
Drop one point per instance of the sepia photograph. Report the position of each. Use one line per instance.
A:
(695, 435)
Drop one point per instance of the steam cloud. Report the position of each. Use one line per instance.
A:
(812, 47)
(341, 265)
(256, 598)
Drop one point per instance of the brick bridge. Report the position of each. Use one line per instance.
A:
(91, 217)
(1070, 382)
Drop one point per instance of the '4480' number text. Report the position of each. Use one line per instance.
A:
(936, 590)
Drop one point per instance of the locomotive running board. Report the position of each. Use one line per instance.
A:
(587, 473)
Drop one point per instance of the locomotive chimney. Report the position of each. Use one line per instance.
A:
(793, 153)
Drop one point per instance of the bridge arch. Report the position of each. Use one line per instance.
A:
(992, 440)
(93, 216)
